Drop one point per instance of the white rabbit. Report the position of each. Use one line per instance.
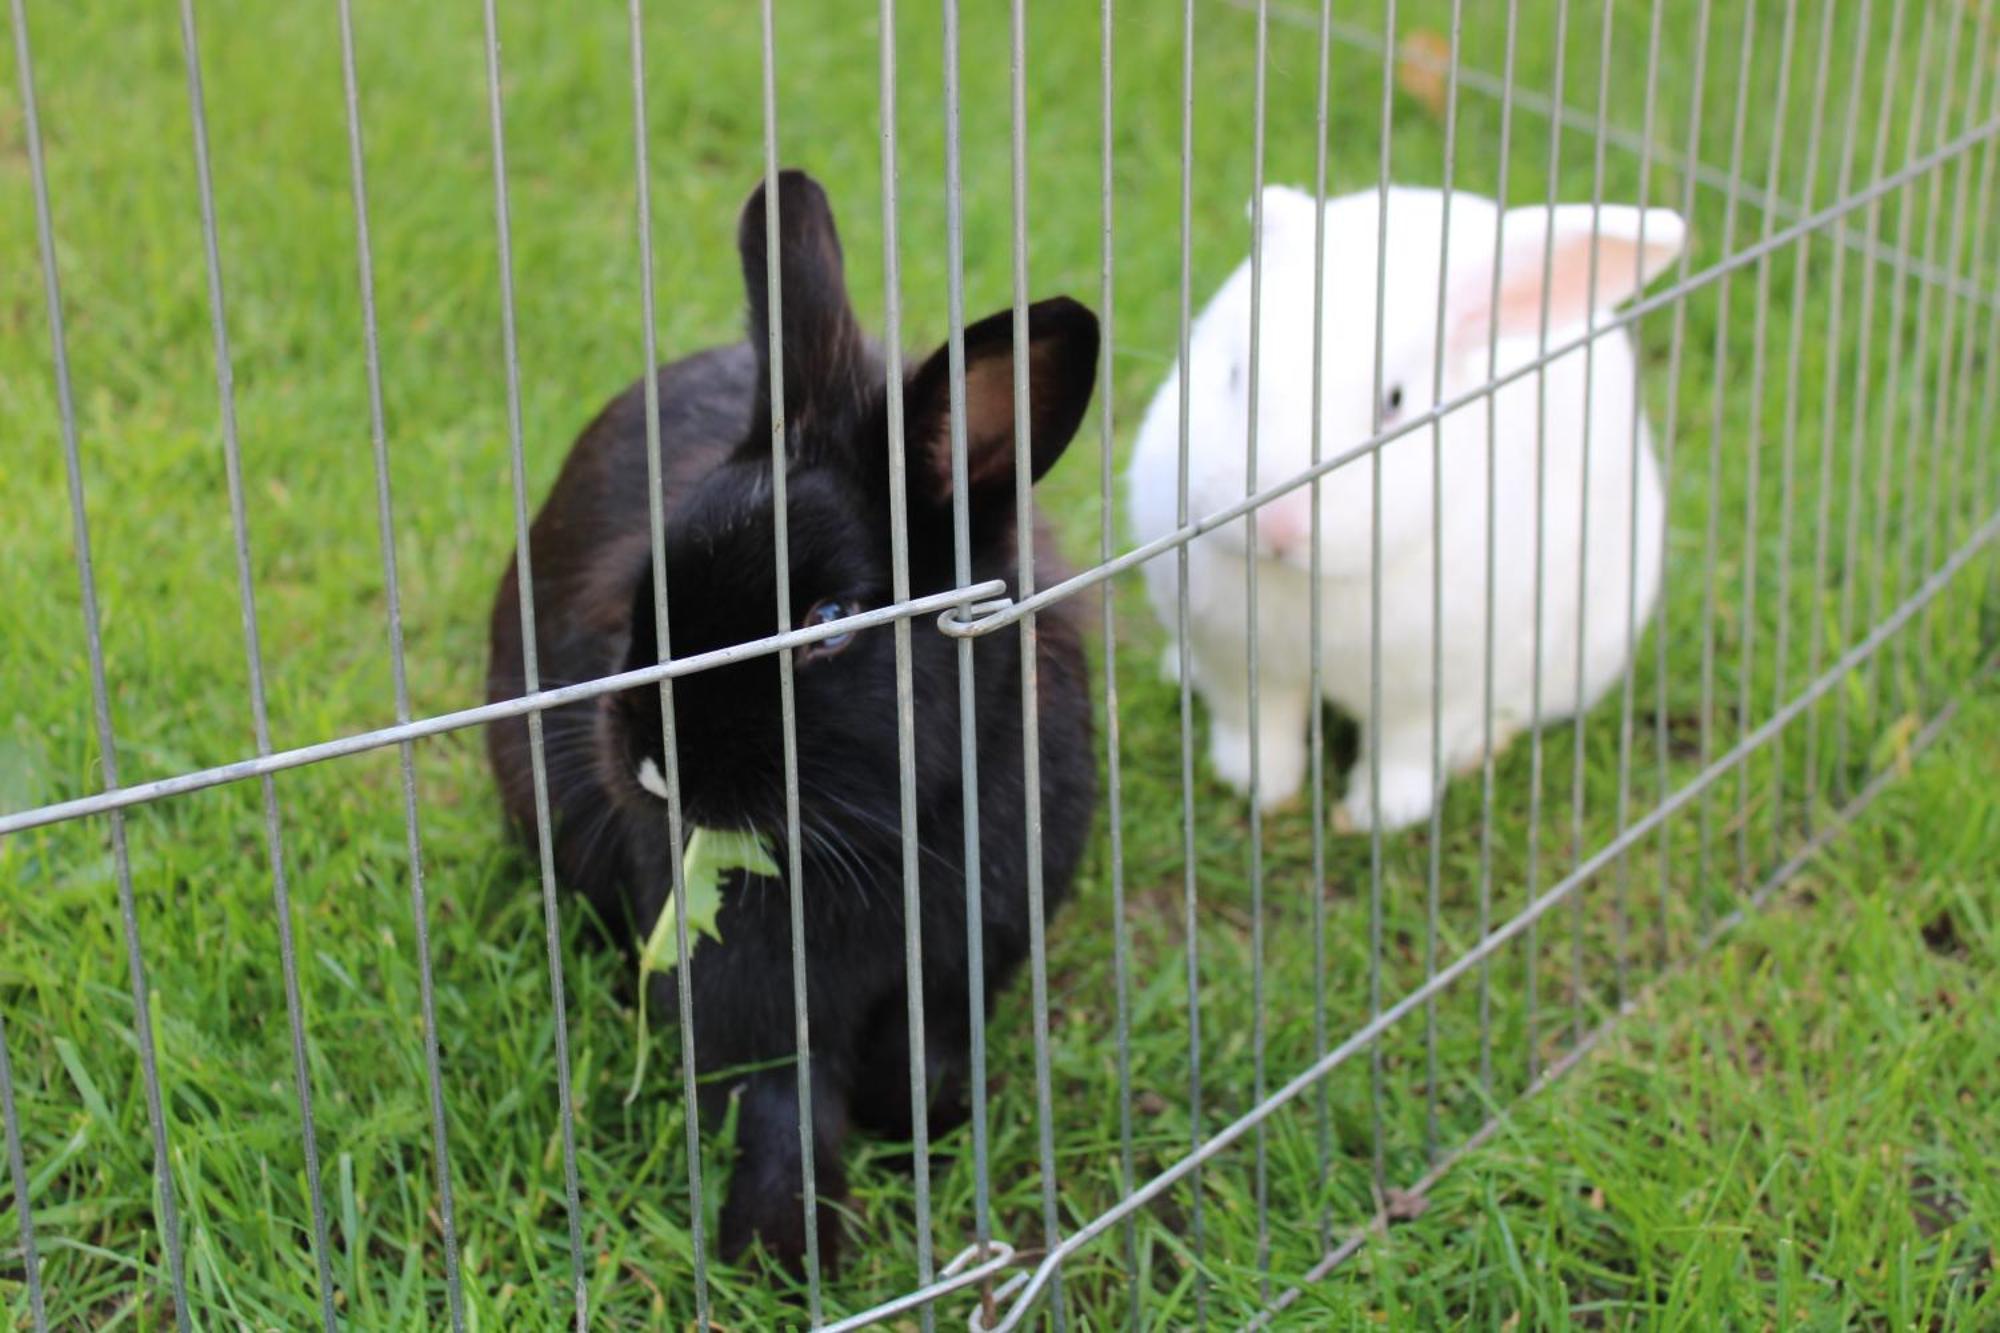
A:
(1543, 250)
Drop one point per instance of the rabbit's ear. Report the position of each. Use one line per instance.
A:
(824, 350)
(1062, 370)
(1546, 259)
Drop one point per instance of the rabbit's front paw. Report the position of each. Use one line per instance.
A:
(1473, 759)
(1281, 762)
(1408, 795)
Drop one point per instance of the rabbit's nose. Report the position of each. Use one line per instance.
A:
(1284, 526)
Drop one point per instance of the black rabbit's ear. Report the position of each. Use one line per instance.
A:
(1062, 370)
(824, 350)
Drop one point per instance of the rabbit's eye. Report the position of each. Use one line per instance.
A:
(1393, 402)
(823, 612)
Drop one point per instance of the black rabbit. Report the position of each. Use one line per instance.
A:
(593, 588)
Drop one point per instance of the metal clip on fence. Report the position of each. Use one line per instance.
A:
(971, 1266)
(980, 617)
(990, 1258)
(976, 1321)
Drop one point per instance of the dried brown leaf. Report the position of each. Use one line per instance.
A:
(1422, 59)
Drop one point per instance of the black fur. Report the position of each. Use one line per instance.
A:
(594, 598)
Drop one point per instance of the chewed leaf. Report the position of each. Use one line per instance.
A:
(710, 854)
(728, 849)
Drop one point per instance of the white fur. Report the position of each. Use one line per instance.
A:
(1218, 370)
(650, 779)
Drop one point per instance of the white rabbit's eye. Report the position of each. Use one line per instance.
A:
(1393, 403)
(824, 612)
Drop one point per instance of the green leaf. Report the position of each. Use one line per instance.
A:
(710, 854)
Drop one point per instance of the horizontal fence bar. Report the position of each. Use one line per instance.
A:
(1714, 177)
(1010, 612)
(1363, 1036)
(120, 798)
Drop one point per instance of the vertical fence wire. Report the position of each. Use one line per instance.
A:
(968, 735)
(531, 673)
(1531, 1003)
(1975, 286)
(787, 700)
(165, 1205)
(1315, 629)
(1488, 741)
(1669, 441)
(1965, 434)
(1788, 458)
(1903, 430)
(1711, 542)
(1892, 488)
(1190, 893)
(1540, 617)
(1980, 278)
(1964, 429)
(1378, 1150)
(17, 1167)
(1985, 496)
(1031, 731)
(1754, 445)
(1927, 527)
(1983, 269)
(1121, 943)
(1885, 488)
(385, 524)
(254, 660)
(1580, 724)
(1859, 412)
(1635, 461)
(1912, 431)
(1261, 1184)
(1816, 633)
(906, 727)
(656, 532)
(1434, 867)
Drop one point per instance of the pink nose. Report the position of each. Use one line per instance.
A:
(1284, 526)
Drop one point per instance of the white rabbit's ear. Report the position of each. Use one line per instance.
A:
(1545, 262)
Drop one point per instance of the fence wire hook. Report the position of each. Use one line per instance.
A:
(978, 617)
(996, 1252)
(976, 1321)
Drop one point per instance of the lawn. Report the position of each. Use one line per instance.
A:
(1796, 1126)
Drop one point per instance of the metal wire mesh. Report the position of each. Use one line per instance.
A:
(1827, 554)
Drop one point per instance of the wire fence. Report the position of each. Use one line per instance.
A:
(1351, 1016)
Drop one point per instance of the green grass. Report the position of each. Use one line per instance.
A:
(1798, 1127)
